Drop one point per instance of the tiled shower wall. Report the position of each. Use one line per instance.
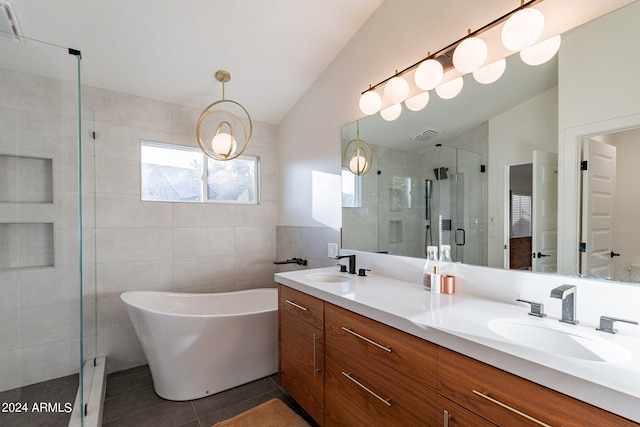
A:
(39, 298)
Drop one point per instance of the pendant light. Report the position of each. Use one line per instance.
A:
(222, 124)
(358, 156)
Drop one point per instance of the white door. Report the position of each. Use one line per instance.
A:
(544, 239)
(598, 190)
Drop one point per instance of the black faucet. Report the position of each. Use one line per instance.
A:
(298, 261)
(352, 262)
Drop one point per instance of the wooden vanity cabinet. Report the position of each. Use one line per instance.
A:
(508, 400)
(381, 371)
(301, 349)
(345, 369)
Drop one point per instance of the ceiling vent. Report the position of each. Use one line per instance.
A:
(426, 135)
(9, 27)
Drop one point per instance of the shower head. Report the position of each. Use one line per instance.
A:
(441, 173)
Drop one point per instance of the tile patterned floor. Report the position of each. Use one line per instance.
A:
(131, 401)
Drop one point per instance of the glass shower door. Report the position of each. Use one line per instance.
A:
(47, 267)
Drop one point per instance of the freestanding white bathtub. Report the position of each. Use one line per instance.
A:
(200, 344)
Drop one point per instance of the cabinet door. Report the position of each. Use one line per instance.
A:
(302, 364)
(452, 415)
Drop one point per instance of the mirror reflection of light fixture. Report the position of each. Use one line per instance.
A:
(217, 128)
(357, 155)
(417, 102)
(490, 72)
(391, 113)
(450, 89)
(541, 52)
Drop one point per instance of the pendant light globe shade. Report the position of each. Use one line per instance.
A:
(541, 52)
(358, 165)
(391, 113)
(224, 145)
(370, 102)
(491, 72)
(450, 89)
(428, 74)
(470, 55)
(417, 102)
(396, 90)
(522, 29)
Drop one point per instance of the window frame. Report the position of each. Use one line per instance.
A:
(204, 174)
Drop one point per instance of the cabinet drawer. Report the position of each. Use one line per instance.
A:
(477, 387)
(407, 354)
(339, 412)
(457, 416)
(382, 393)
(308, 308)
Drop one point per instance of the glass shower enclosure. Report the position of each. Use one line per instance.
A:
(48, 321)
(431, 198)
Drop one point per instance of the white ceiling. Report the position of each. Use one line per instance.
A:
(170, 50)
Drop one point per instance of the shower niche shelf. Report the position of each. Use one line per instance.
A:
(26, 245)
(26, 179)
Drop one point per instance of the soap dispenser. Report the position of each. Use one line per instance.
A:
(432, 260)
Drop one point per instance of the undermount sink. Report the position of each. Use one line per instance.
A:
(559, 339)
(328, 277)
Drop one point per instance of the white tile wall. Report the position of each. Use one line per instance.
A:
(137, 245)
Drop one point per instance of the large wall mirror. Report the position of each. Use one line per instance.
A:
(496, 172)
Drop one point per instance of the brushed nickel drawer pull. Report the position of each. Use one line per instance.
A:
(385, 401)
(385, 348)
(315, 369)
(485, 395)
(296, 305)
(447, 417)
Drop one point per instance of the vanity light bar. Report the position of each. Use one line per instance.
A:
(448, 50)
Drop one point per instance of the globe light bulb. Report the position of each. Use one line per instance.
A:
(450, 89)
(417, 102)
(522, 29)
(428, 74)
(491, 72)
(542, 52)
(470, 55)
(370, 102)
(358, 164)
(396, 90)
(391, 113)
(224, 145)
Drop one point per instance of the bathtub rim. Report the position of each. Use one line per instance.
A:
(208, 315)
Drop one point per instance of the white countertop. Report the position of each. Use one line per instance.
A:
(460, 322)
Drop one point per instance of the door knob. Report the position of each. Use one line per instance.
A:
(541, 255)
(614, 254)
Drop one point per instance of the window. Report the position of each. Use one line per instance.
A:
(351, 189)
(520, 215)
(174, 173)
